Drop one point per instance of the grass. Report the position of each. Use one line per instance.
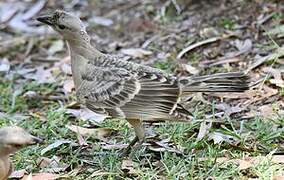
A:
(198, 161)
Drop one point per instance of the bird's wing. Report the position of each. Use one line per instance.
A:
(131, 94)
(157, 99)
(107, 87)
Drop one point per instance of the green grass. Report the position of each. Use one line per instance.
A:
(197, 162)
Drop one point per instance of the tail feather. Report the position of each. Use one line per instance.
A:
(221, 82)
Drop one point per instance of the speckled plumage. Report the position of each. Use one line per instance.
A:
(107, 84)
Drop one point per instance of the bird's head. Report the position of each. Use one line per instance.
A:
(13, 138)
(66, 24)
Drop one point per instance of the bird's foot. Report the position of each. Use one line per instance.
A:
(134, 146)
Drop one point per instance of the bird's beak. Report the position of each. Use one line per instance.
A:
(45, 19)
(35, 140)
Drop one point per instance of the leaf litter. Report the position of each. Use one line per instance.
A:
(196, 41)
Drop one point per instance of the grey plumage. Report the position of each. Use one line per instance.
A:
(107, 84)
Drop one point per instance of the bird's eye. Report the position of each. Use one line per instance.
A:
(61, 27)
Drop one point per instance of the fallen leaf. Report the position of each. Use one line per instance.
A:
(276, 31)
(31, 95)
(136, 52)
(219, 137)
(113, 146)
(266, 111)
(141, 25)
(52, 165)
(41, 176)
(18, 174)
(162, 146)
(98, 133)
(54, 145)
(86, 115)
(101, 21)
(41, 75)
(68, 85)
(203, 130)
(278, 178)
(277, 78)
(228, 109)
(101, 173)
(249, 162)
(4, 65)
(127, 167)
(243, 46)
(189, 69)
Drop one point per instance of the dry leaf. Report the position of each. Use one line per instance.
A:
(54, 145)
(218, 138)
(228, 109)
(86, 115)
(278, 178)
(68, 85)
(162, 146)
(248, 162)
(266, 110)
(136, 52)
(4, 65)
(18, 174)
(190, 69)
(101, 173)
(52, 165)
(113, 146)
(203, 130)
(98, 133)
(277, 78)
(127, 166)
(41, 176)
(101, 21)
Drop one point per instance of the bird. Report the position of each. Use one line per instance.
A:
(107, 84)
(12, 138)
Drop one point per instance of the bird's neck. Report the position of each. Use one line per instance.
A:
(81, 51)
(80, 44)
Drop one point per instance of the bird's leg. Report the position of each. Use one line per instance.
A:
(139, 132)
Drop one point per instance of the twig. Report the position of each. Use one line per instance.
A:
(221, 61)
(201, 43)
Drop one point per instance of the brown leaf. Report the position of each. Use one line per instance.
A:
(276, 73)
(203, 130)
(113, 146)
(54, 145)
(52, 165)
(41, 176)
(163, 145)
(136, 52)
(86, 115)
(18, 174)
(68, 85)
(189, 69)
(101, 173)
(128, 167)
(98, 133)
(249, 162)
(266, 111)
(4, 65)
(218, 138)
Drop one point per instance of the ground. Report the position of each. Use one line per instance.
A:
(234, 136)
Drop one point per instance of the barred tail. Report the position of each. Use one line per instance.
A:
(221, 82)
